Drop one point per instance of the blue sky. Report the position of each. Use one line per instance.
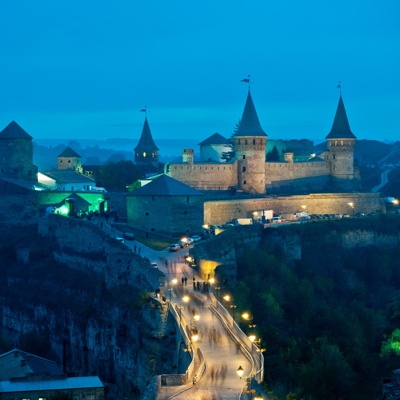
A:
(84, 69)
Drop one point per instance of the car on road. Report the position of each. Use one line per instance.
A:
(120, 239)
(154, 265)
(196, 238)
(174, 247)
(129, 236)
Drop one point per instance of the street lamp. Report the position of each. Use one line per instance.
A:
(229, 298)
(170, 289)
(240, 372)
(247, 317)
(185, 299)
(351, 204)
(258, 397)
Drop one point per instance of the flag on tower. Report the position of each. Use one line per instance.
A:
(245, 80)
(143, 110)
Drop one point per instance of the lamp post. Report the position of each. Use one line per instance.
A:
(351, 204)
(173, 282)
(185, 299)
(228, 298)
(247, 317)
(240, 372)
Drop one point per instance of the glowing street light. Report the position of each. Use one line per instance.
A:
(240, 372)
(228, 298)
(185, 299)
(351, 204)
(173, 282)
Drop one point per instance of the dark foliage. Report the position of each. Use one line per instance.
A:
(273, 155)
(324, 318)
(117, 176)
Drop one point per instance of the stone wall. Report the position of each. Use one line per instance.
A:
(220, 212)
(17, 159)
(205, 176)
(16, 207)
(281, 171)
(169, 215)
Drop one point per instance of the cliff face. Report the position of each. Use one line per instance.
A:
(87, 247)
(115, 331)
(123, 348)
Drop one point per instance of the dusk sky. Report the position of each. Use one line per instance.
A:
(84, 69)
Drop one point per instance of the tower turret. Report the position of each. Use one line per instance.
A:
(146, 151)
(250, 142)
(341, 142)
(69, 159)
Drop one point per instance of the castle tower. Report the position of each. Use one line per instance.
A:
(16, 151)
(341, 142)
(146, 151)
(69, 159)
(188, 156)
(250, 142)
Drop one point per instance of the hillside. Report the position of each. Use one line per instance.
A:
(117, 333)
(328, 318)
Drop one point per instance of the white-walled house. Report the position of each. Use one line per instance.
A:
(66, 180)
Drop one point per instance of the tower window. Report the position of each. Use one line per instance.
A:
(244, 156)
(245, 141)
(254, 141)
(334, 156)
(187, 199)
(244, 182)
(243, 169)
(147, 214)
(144, 154)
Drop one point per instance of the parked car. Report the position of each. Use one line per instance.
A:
(174, 247)
(129, 236)
(154, 265)
(196, 238)
(190, 241)
(120, 239)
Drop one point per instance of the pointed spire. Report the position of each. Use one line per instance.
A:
(146, 141)
(341, 127)
(249, 124)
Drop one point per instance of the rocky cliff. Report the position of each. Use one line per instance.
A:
(106, 327)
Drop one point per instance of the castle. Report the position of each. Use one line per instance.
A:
(249, 172)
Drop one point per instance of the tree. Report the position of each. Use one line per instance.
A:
(134, 186)
(273, 155)
(118, 176)
(230, 155)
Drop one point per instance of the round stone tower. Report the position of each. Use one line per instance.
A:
(250, 142)
(341, 142)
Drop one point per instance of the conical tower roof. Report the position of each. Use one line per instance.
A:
(146, 141)
(341, 127)
(249, 124)
(68, 152)
(14, 131)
